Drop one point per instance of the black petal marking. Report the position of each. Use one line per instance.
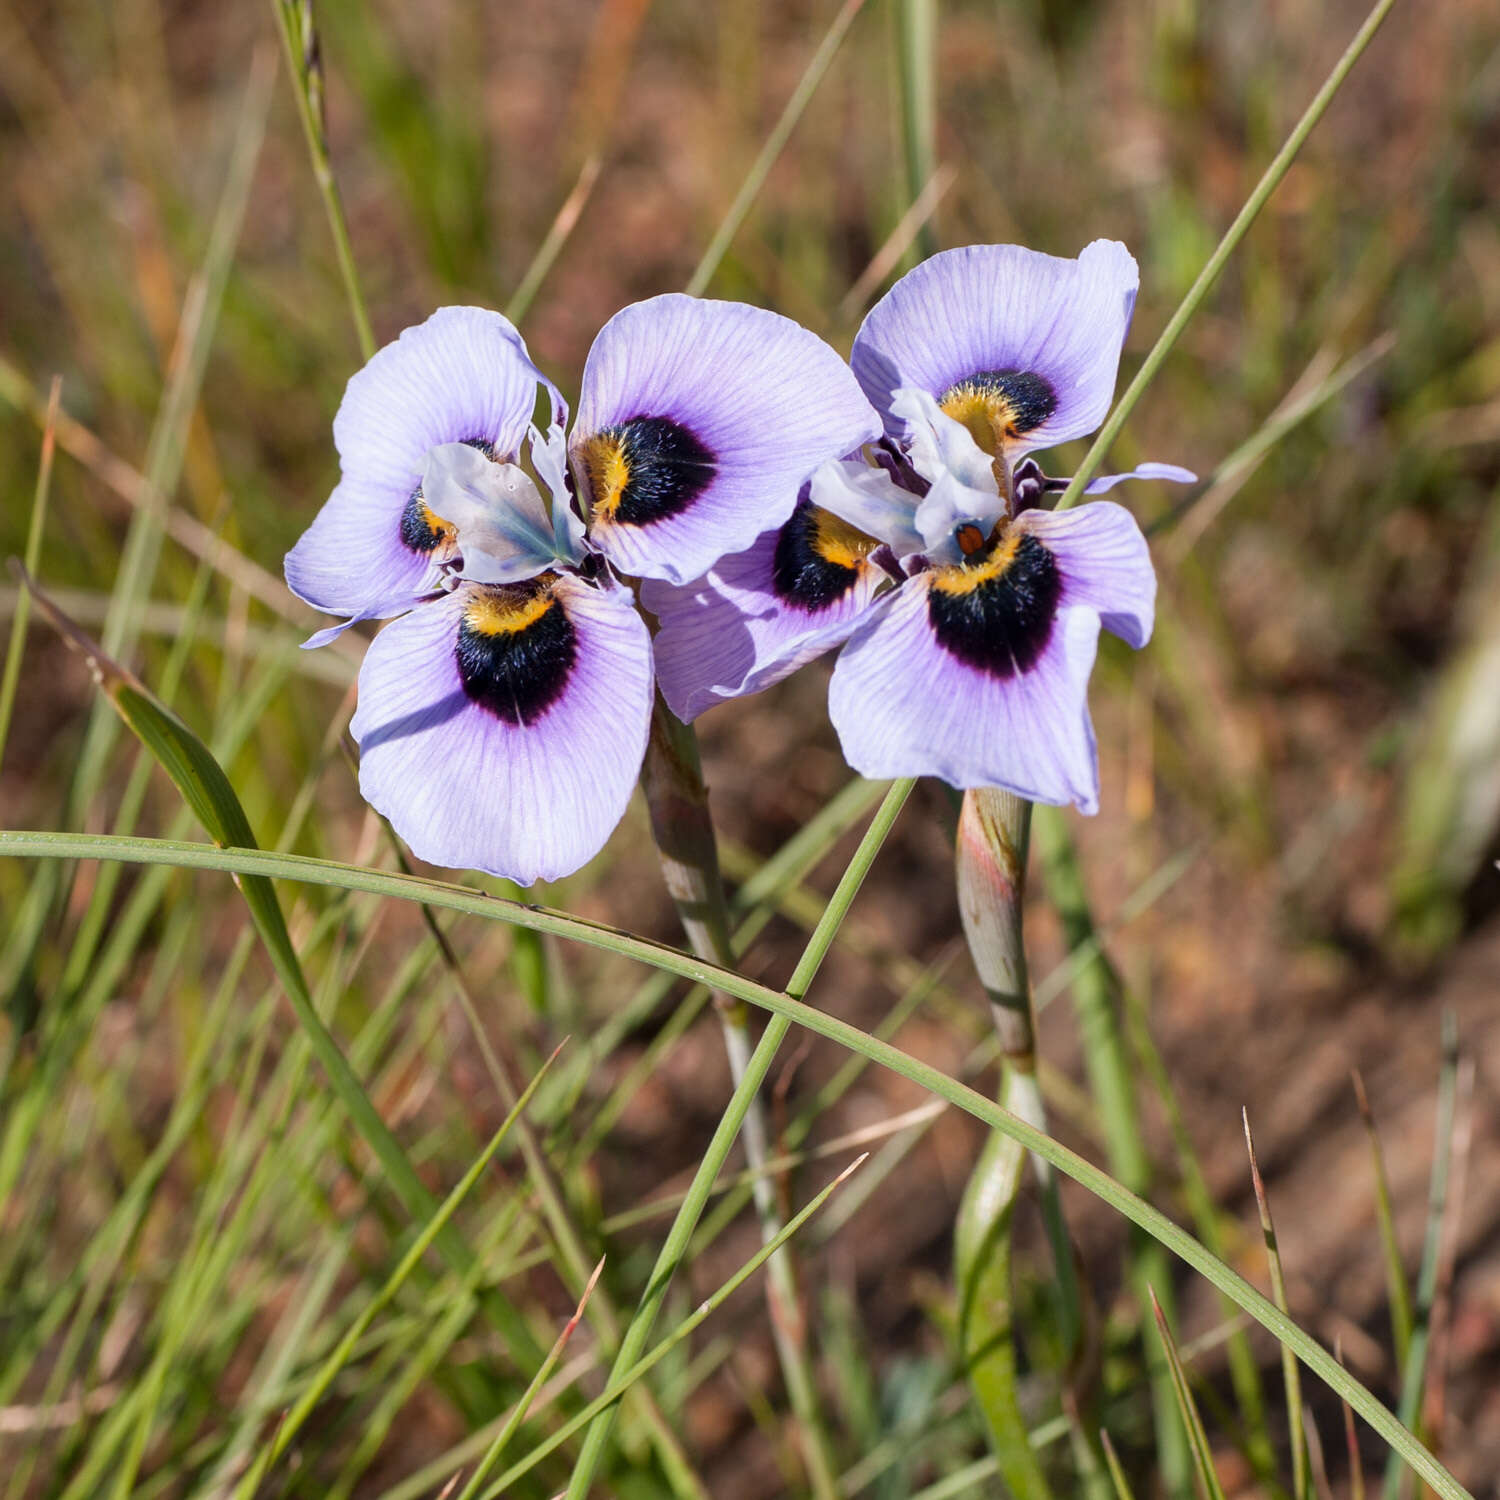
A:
(818, 558)
(516, 649)
(421, 528)
(996, 613)
(646, 470)
(998, 405)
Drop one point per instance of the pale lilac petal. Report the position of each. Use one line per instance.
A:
(903, 705)
(1005, 309)
(1173, 473)
(1104, 562)
(472, 790)
(729, 409)
(462, 376)
(734, 632)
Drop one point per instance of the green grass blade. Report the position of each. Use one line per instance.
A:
(755, 179)
(30, 844)
(523, 1406)
(1096, 999)
(621, 1381)
(304, 61)
(206, 789)
(1203, 1458)
(1226, 247)
(1116, 1473)
(1413, 1372)
(317, 1388)
(1301, 1474)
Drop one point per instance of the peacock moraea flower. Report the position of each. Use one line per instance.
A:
(968, 612)
(503, 716)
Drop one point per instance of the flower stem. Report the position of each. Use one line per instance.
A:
(994, 833)
(1096, 995)
(672, 778)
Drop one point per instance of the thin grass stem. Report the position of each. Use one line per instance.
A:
(1413, 1372)
(760, 169)
(1301, 1474)
(304, 61)
(916, 71)
(1269, 182)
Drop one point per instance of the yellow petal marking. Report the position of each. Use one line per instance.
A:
(607, 470)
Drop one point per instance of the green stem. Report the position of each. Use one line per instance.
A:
(1225, 248)
(674, 1248)
(916, 61)
(994, 832)
(1095, 997)
(672, 777)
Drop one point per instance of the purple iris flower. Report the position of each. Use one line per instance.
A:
(503, 717)
(969, 613)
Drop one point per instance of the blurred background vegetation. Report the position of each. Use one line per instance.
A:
(1295, 864)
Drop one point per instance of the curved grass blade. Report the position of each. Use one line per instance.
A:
(33, 844)
(206, 789)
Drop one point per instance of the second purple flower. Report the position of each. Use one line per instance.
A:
(971, 613)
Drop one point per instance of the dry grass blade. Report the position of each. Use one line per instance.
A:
(1414, 1371)
(899, 241)
(1116, 1473)
(1318, 384)
(1301, 1477)
(524, 1405)
(1398, 1290)
(554, 240)
(1351, 1439)
(1433, 1407)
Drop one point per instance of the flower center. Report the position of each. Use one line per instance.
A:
(818, 557)
(645, 470)
(995, 609)
(999, 406)
(516, 649)
(422, 529)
